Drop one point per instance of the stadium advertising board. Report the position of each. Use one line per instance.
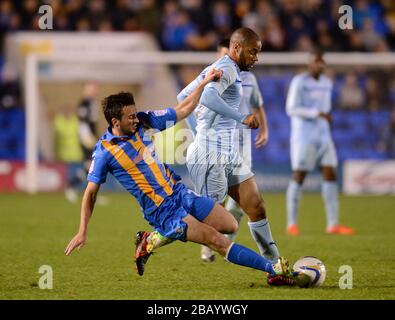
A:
(369, 177)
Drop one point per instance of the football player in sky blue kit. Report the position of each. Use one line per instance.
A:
(176, 213)
(309, 106)
(215, 166)
(251, 101)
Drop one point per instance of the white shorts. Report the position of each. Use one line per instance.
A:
(212, 172)
(304, 157)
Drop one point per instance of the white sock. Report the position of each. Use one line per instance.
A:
(294, 192)
(329, 195)
(260, 232)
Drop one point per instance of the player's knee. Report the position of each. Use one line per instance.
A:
(229, 226)
(329, 175)
(298, 177)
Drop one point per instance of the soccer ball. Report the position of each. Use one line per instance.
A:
(309, 272)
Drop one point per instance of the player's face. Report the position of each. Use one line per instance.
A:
(316, 65)
(129, 121)
(249, 55)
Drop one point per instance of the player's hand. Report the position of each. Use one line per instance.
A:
(212, 75)
(326, 116)
(251, 121)
(77, 242)
(261, 139)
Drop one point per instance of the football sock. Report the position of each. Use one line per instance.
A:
(233, 207)
(243, 256)
(156, 240)
(294, 192)
(329, 195)
(260, 232)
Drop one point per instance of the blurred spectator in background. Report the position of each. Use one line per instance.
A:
(6, 12)
(274, 35)
(149, 17)
(67, 143)
(286, 25)
(177, 30)
(370, 37)
(374, 97)
(222, 18)
(10, 92)
(87, 113)
(387, 141)
(351, 96)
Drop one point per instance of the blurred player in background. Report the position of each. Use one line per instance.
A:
(215, 166)
(251, 101)
(309, 105)
(87, 132)
(126, 151)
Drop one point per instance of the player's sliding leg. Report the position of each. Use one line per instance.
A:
(220, 222)
(231, 206)
(202, 233)
(294, 192)
(329, 193)
(247, 195)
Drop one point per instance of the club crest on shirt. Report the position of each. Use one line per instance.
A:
(159, 113)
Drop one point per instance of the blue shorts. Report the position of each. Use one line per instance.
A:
(167, 219)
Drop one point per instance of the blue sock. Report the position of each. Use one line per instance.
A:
(293, 200)
(329, 194)
(243, 256)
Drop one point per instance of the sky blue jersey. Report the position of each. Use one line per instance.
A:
(307, 97)
(216, 128)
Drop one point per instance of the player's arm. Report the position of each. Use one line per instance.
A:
(188, 105)
(258, 110)
(263, 135)
(294, 103)
(87, 206)
(211, 98)
(189, 88)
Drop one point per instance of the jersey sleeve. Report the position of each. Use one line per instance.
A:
(294, 105)
(98, 169)
(229, 76)
(159, 119)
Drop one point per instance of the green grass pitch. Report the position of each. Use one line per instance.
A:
(34, 231)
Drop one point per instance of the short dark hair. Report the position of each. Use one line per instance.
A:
(317, 53)
(224, 43)
(113, 105)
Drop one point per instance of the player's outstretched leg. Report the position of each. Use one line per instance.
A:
(206, 254)
(205, 234)
(247, 195)
(145, 243)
